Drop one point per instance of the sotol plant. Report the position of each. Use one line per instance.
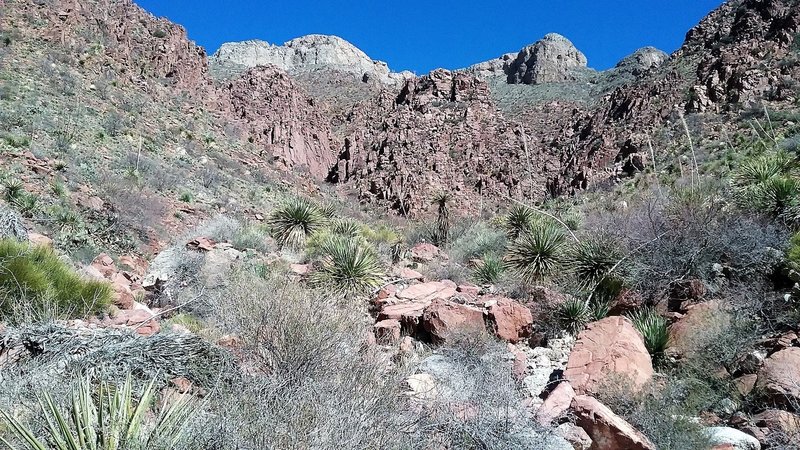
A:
(106, 418)
(489, 270)
(348, 266)
(442, 233)
(295, 220)
(573, 315)
(518, 220)
(537, 253)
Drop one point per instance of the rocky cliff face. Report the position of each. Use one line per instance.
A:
(326, 107)
(307, 54)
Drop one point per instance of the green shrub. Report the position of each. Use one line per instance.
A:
(186, 197)
(33, 277)
(654, 331)
(477, 241)
(27, 204)
(573, 315)
(768, 183)
(108, 418)
(793, 255)
(348, 266)
(489, 270)
(295, 220)
(537, 253)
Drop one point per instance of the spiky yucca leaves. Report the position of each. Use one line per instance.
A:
(113, 419)
(592, 259)
(489, 270)
(295, 220)
(518, 220)
(769, 183)
(573, 315)
(348, 266)
(27, 204)
(442, 232)
(537, 253)
(654, 331)
(13, 189)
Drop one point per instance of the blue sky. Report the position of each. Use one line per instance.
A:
(421, 36)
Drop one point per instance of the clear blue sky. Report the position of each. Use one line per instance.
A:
(421, 36)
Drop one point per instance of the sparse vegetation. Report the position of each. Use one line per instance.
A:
(654, 330)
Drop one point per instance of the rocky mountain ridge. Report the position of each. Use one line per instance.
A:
(461, 131)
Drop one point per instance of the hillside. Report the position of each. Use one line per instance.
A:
(293, 246)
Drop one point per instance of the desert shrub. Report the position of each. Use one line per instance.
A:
(573, 315)
(478, 240)
(35, 278)
(489, 270)
(348, 266)
(312, 383)
(294, 221)
(108, 418)
(793, 255)
(537, 253)
(249, 235)
(660, 412)
(13, 189)
(654, 331)
(26, 204)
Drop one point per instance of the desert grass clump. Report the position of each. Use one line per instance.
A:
(348, 266)
(489, 270)
(293, 221)
(654, 329)
(477, 241)
(538, 253)
(573, 315)
(108, 417)
(35, 278)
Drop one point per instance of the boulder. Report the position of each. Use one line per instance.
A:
(556, 404)
(387, 331)
(780, 421)
(606, 429)
(575, 435)
(428, 291)
(405, 273)
(725, 438)
(779, 376)
(408, 313)
(510, 320)
(608, 349)
(442, 318)
(11, 225)
(40, 239)
(684, 333)
(142, 321)
(424, 252)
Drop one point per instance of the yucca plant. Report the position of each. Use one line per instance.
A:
(573, 315)
(13, 189)
(768, 183)
(538, 252)
(348, 266)
(346, 227)
(592, 259)
(442, 233)
(654, 329)
(599, 309)
(27, 204)
(518, 220)
(295, 220)
(489, 270)
(66, 220)
(111, 418)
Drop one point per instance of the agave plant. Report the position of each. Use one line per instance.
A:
(295, 220)
(573, 315)
(348, 266)
(489, 270)
(519, 219)
(654, 330)
(110, 420)
(537, 253)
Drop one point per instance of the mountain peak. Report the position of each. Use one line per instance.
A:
(304, 54)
